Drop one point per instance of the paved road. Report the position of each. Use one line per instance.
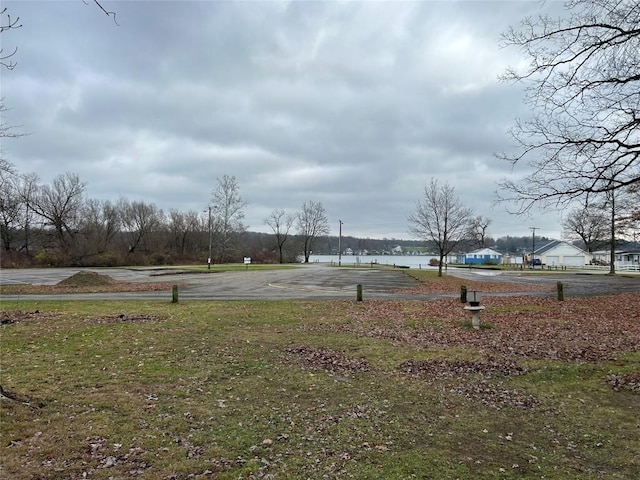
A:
(575, 283)
(313, 281)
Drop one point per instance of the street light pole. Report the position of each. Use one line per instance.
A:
(340, 245)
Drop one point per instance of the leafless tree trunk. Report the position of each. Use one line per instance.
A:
(311, 223)
(281, 223)
(612, 227)
(441, 218)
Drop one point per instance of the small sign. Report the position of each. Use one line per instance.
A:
(247, 260)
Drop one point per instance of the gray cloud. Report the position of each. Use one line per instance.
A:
(354, 104)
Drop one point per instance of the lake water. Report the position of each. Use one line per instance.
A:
(411, 261)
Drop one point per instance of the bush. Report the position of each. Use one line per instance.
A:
(158, 258)
(51, 259)
(104, 259)
(13, 259)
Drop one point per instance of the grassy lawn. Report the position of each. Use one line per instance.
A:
(230, 267)
(319, 389)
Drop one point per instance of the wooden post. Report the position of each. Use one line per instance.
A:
(463, 293)
(560, 292)
(175, 294)
(359, 293)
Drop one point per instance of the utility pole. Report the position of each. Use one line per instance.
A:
(340, 245)
(533, 245)
(209, 259)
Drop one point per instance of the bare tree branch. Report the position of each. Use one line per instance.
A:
(583, 83)
(6, 23)
(106, 12)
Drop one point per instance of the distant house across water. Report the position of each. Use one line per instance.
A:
(483, 256)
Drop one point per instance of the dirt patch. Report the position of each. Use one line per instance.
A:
(449, 369)
(474, 380)
(124, 318)
(9, 318)
(13, 397)
(329, 360)
(629, 382)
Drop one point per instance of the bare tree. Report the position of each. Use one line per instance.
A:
(281, 223)
(27, 189)
(478, 230)
(227, 215)
(440, 217)
(140, 222)
(184, 230)
(583, 84)
(98, 227)
(311, 222)
(10, 202)
(628, 219)
(588, 224)
(59, 205)
(16, 193)
(10, 208)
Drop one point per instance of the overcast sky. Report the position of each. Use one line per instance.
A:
(352, 104)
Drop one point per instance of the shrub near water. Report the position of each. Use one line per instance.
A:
(317, 390)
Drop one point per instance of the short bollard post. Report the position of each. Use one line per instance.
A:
(359, 293)
(463, 293)
(560, 292)
(174, 298)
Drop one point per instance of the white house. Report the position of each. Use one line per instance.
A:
(622, 257)
(562, 253)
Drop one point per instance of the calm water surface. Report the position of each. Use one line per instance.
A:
(411, 261)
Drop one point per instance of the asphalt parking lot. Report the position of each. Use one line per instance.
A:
(311, 281)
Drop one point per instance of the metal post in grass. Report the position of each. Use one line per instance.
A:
(174, 298)
(560, 292)
(463, 293)
(359, 292)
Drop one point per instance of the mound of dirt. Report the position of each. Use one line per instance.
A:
(87, 278)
